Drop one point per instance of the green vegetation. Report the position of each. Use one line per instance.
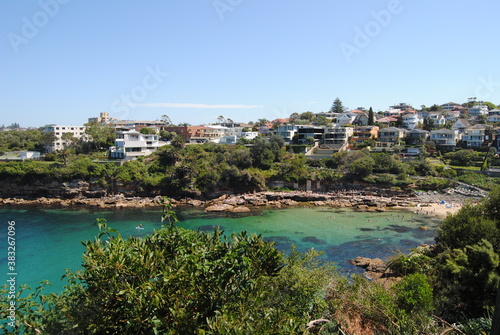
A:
(17, 140)
(181, 170)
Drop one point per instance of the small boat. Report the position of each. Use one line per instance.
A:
(140, 227)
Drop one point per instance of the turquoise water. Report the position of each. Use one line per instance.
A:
(48, 241)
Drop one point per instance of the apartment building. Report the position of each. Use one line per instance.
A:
(78, 132)
(338, 137)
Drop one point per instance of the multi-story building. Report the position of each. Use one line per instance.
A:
(445, 139)
(214, 133)
(417, 137)
(461, 125)
(132, 144)
(493, 116)
(139, 124)
(478, 110)
(361, 134)
(286, 131)
(233, 139)
(78, 132)
(310, 131)
(476, 136)
(103, 118)
(346, 118)
(452, 115)
(411, 120)
(361, 119)
(452, 106)
(337, 138)
(388, 138)
(401, 106)
(438, 118)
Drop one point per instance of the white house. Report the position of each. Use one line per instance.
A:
(411, 120)
(58, 130)
(346, 118)
(478, 110)
(438, 118)
(132, 144)
(233, 139)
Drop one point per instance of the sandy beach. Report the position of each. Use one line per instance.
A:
(438, 210)
(441, 204)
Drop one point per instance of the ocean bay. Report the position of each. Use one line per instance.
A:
(48, 240)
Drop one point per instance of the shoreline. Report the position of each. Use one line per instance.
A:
(438, 205)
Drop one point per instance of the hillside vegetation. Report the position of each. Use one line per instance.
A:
(208, 170)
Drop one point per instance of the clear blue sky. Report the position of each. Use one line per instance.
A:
(62, 61)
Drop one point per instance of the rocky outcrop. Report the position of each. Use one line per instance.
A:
(219, 208)
(83, 196)
(376, 270)
(104, 202)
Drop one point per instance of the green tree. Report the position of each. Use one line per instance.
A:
(169, 282)
(294, 117)
(490, 105)
(435, 108)
(167, 135)
(362, 167)
(309, 116)
(261, 122)
(310, 140)
(371, 117)
(414, 295)
(428, 124)
(101, 136)
(46, 139)
(147, 131)
(337, 106)
(461, 157)
(178, 142)
(262, 154)
(469, 280)
(320, 120)
(166, 119)
(472, 223)
(68, 139)
(276, 144)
